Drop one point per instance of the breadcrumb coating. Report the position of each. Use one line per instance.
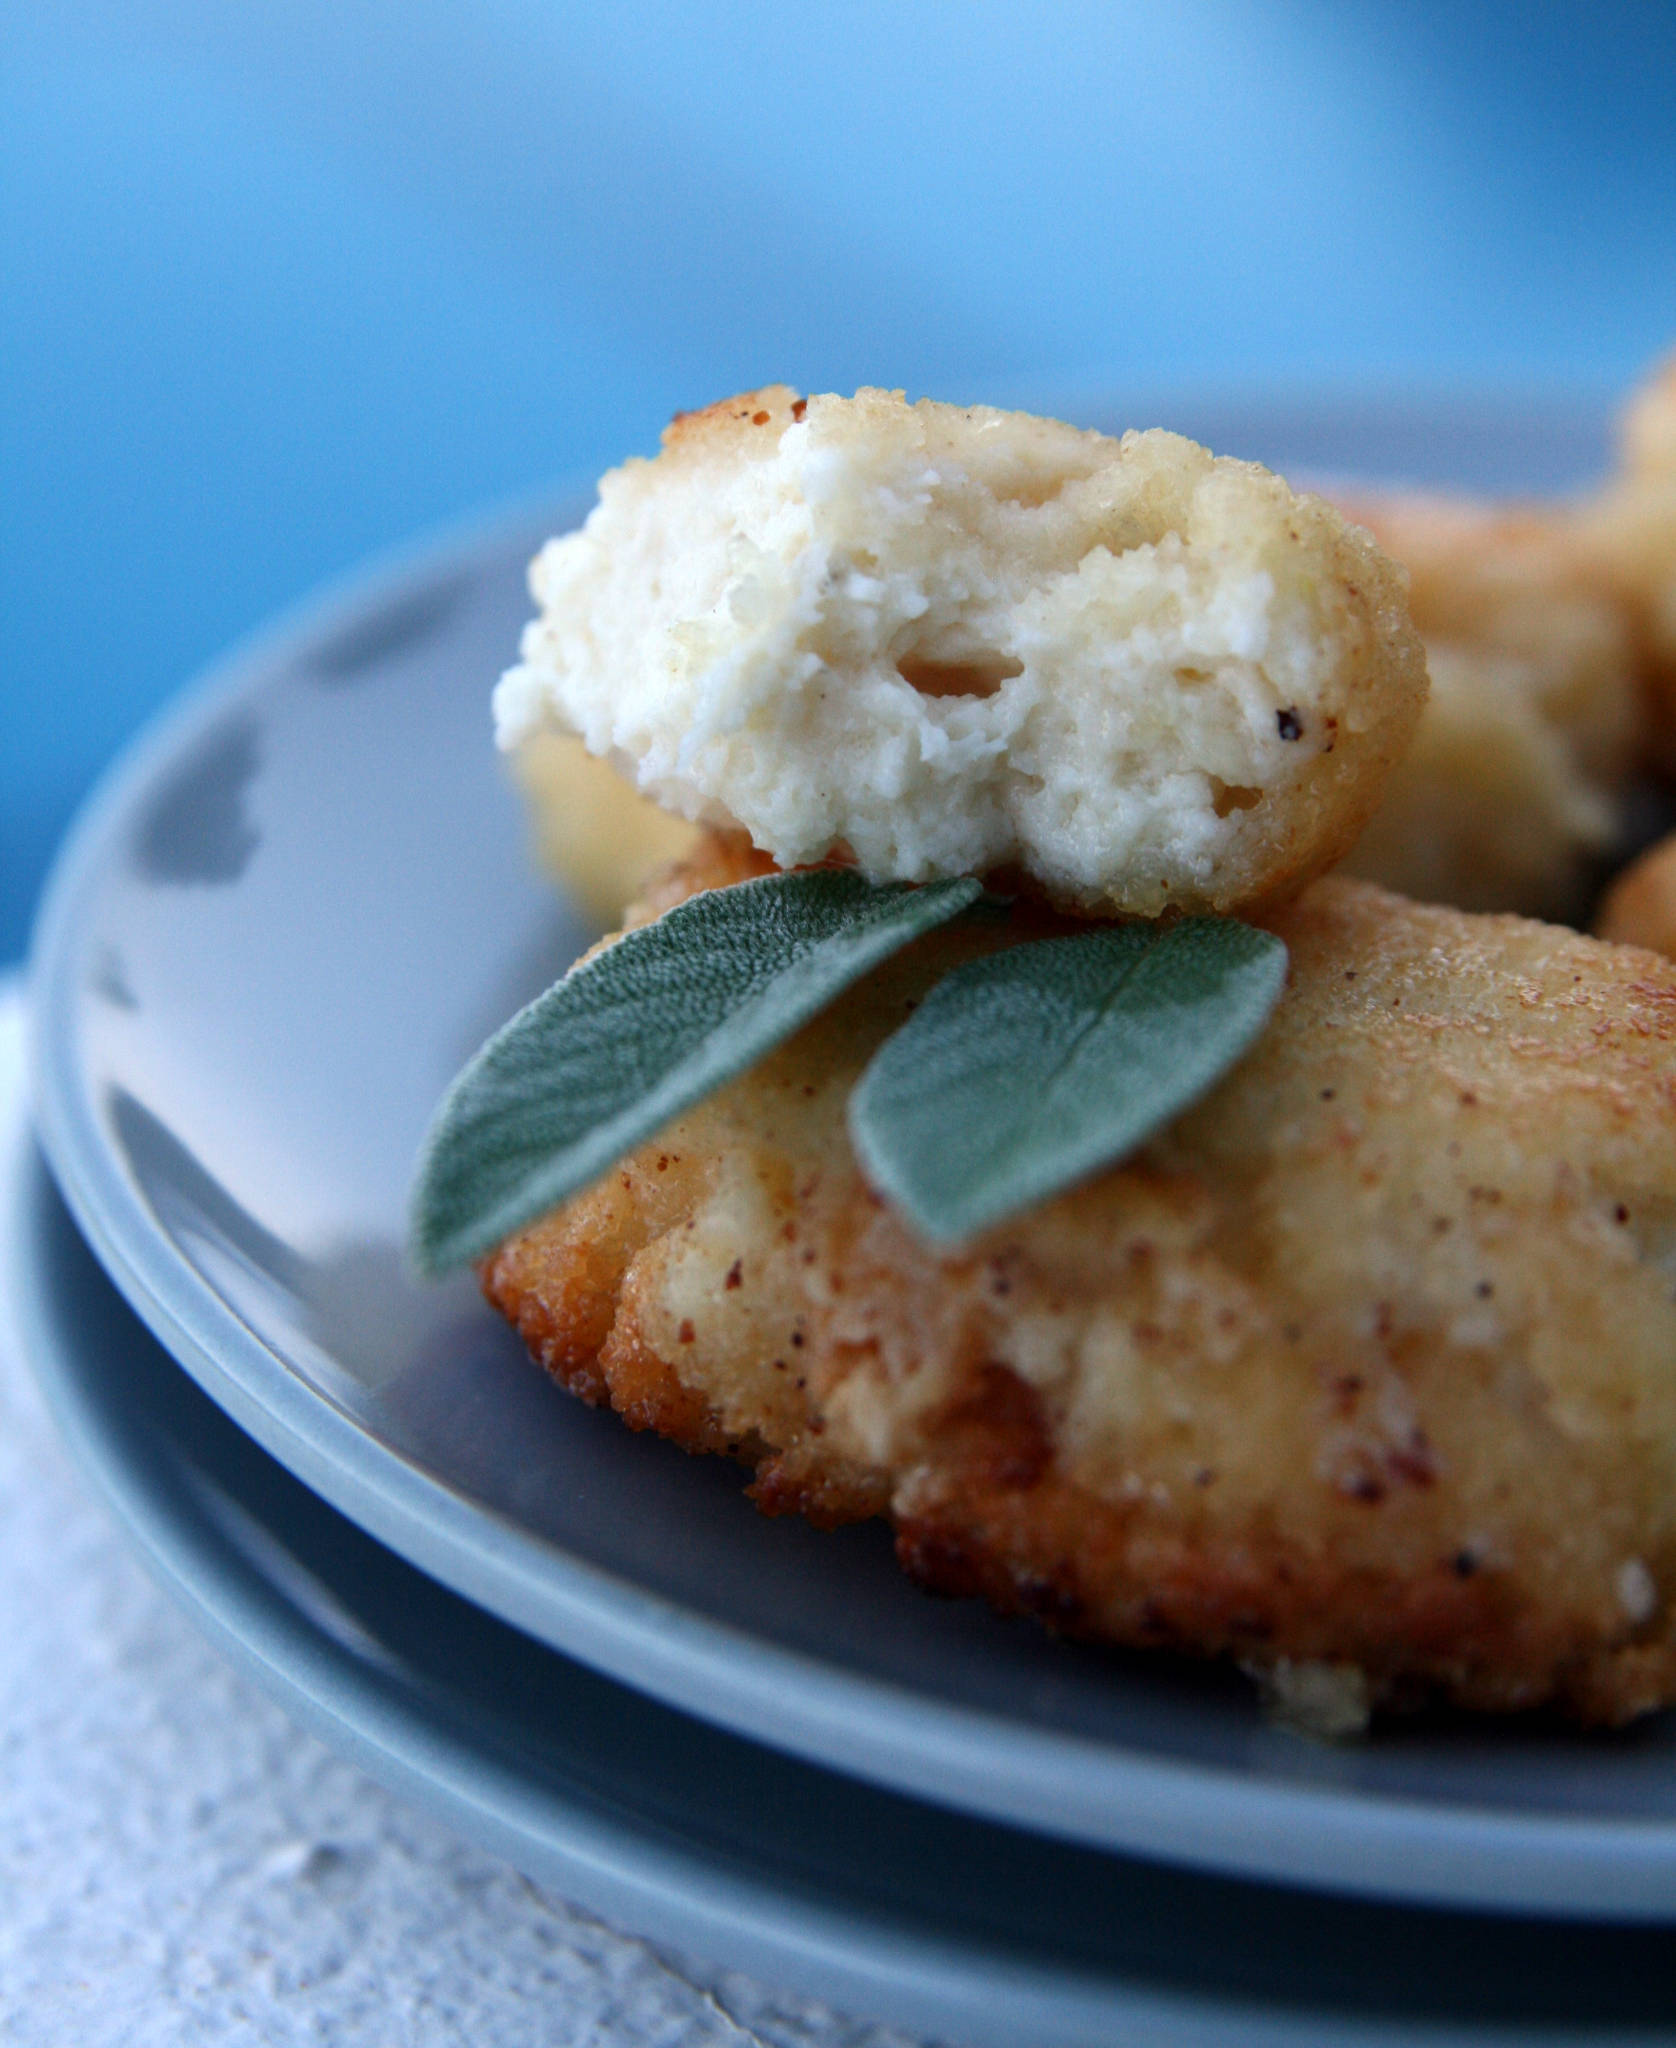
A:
(1640, 907)
(946, 641)
(594, 832)
(1512, 794)
(1647, 431)
(1367, 1362)
(1630, 528)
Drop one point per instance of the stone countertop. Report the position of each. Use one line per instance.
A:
(180, 1864)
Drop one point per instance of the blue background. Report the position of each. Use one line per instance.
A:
(282, 285)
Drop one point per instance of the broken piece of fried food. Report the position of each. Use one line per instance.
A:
(941, 641)
(1368, 1362)
(1511, 796)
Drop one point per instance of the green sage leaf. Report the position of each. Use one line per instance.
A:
(1026, 1071)
(637, 1034)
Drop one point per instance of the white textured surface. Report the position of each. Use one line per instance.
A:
(179, 1864)
(955, 639)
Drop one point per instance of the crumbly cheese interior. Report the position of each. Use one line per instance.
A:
(947, 641)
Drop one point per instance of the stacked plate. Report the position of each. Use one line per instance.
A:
(279, 930)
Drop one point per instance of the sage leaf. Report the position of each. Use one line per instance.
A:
(1023, 1072)
(630, 1038)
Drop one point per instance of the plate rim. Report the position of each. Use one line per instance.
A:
(656, 1882)
(621, 1870)
(1203, 1815)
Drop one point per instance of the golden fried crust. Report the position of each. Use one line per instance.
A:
(1647, 431)
(1629, 529)
(715, 430)
(595, 832)
(1519, 581)
(1640, 907)
(1370, 1358)
(1511, 793)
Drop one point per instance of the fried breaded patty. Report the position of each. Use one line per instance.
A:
(1640, 907)
(1368, 1362)
(595, 832)
(1511, 794)
(1647, 431)
(941, 641)
(1630, 527)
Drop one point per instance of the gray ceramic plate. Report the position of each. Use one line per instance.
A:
(885, 1905)
(278, 930)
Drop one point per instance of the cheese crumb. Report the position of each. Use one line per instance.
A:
(1638, 1593)
(1327, 1702)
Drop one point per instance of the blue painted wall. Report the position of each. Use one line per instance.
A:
(280, 285)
